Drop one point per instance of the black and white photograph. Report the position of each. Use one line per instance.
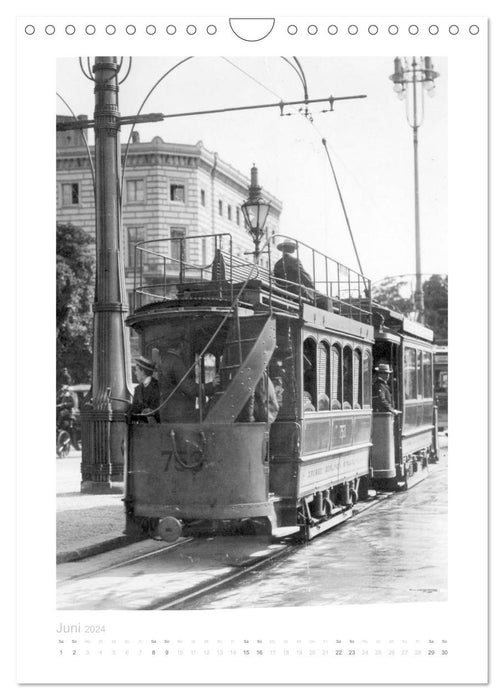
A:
(248, 262)
(249, 352)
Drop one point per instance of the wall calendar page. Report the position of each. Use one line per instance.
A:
(243, 221)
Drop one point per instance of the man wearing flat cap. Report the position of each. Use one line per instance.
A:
(382, 396)
(289, 269)
(146, 396)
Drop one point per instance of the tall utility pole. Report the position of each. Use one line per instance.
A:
(104, 428)
(406, 78)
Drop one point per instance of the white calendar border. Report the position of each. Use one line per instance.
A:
(469, 258)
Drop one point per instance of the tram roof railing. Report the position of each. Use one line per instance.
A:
(164, 269)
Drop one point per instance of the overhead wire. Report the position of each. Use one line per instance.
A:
(251, 77)
(298, 68)
(170, 70)
(85, 142)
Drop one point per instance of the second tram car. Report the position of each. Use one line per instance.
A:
(441, 385)
(287, 438)
(404, 444)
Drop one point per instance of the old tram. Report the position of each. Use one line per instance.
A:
(441, 385)
(220, 464)
(405, 444)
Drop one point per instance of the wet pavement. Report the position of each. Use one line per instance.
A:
(396, 552)
(146, 582)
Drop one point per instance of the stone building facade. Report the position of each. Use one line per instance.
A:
(169, 191)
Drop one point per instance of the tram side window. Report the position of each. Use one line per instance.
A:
(410, 374)
(335, 377)
(205, 369)
(324, 378)
(309, 375)
(427, 374)
(209, 367)
(357, 379)
(366, 379)
(419, 374)
(347, 378)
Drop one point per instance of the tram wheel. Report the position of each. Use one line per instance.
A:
(256, 527)
(169, 529)
(63, 444)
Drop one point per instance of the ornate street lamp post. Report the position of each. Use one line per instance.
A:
(255, 210)
(408, 74)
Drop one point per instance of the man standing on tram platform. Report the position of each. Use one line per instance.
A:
(382, 396)
(146, 396)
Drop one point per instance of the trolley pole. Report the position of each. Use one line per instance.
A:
(104, 428)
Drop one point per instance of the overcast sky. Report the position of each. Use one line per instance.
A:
(369, 140)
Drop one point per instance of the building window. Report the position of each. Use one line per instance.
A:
(204, 251)
(238, 215)
(70, 193)
(230, 216)
(177, 193)
(135, 191)
(134, 235)
(220, 207)
(202, 198)
(177, 246)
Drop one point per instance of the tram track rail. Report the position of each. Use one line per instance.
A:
(126, 562)
(259, 556)
(180, 602)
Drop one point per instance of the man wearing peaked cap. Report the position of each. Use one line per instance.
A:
(382, 396)
(146, 396)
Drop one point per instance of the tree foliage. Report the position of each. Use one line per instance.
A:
(396, 293)
(74, 296)
(436, 307)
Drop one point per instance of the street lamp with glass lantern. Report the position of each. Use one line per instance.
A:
(255, 211)
(405, 78)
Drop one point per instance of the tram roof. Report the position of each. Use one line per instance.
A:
(385, 318)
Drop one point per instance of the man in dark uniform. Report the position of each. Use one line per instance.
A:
(173, 365)
(290, 269)
(146, 396)
(382, 396)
